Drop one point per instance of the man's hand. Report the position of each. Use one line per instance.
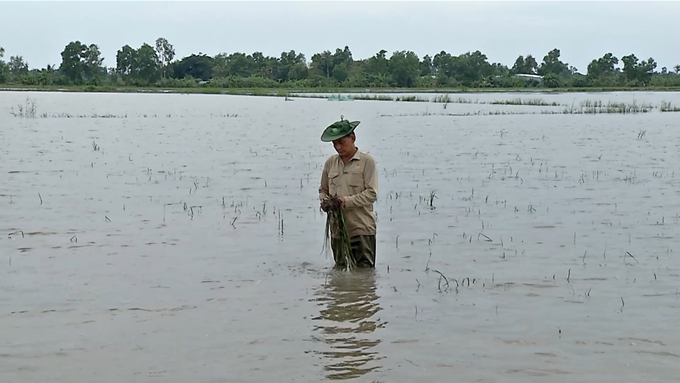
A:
(332, 204)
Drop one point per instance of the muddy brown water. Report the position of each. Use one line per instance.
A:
(188, 246)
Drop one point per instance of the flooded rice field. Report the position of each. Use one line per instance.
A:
(177, 238)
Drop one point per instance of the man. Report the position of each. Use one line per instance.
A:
(350, 179)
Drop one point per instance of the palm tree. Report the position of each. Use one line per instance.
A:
(677, 68)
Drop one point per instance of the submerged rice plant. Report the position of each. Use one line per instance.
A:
(598, 107)
(443, 98)
(530, 102)
(373, 97)
(411, 99)
(667, 107)
(28, 110)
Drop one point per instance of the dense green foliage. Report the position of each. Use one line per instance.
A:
(156, 66)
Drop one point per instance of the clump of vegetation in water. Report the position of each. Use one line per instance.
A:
(598, 107)
(530, 102)
(335, 222)
(27, 110)
(667, 107)
(374, 97)
(411, 99)
(443, 98)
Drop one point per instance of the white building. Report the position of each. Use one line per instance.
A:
(530, 77)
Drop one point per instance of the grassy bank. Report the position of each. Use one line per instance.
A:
(281, 92)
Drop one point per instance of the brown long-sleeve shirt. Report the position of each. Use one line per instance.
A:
(357, 181)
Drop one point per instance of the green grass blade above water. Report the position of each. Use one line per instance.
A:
(335, 223)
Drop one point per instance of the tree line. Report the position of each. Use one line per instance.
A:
(156, 65)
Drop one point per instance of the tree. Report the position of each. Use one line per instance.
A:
(470, 68)
(343, 56)
(4, 70)
(675, 68)
(197, 66)
(553, 65)
(17, 66)
(525, 65)
(146, 64)
(426, 66)
(240, 64)
(550, 80)
(518, 67)
(340, 72)
(287, 60)
(630, 64)
(323, 62)
(378, 64)
(499, 69)
(298, 71)
(235, 64)
(71, 65)
(405, 68)
(140, 65)
(125, 59)
(646, 70)
(602, 71)
(80, 62)
(92, 62)
(530, 65)
(640, 73)
(442, 65)
(165, 53)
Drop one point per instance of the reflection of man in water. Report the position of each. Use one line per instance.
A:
(350, 301)
(350, 176)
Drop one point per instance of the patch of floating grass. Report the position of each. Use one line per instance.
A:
(467, 114)
(599, 107)
(525, 102)
(27, 110)
(446, 99)
(373, 97)
(443, 98)
(110, 115)
(667, 107)
(411, 99)
(462, 100)
(516, 101)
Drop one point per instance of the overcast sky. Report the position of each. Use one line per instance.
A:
(38, 31)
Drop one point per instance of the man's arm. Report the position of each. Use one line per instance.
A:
(370, 193)
(324, 187)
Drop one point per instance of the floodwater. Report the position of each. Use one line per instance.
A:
(177, 238)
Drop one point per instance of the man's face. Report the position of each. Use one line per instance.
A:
(345, 145)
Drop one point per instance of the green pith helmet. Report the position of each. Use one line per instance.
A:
(338, 130)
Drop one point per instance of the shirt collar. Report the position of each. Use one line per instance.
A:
(357, 155)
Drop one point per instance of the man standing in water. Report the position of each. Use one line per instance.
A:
(350, 181)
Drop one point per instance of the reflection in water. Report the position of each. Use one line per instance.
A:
(350, 304)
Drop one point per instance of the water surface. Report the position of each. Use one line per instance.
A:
(188, 245)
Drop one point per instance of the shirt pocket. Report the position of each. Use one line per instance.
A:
(333, 182)
(355, 181)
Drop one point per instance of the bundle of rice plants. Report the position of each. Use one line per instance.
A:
(335, 223)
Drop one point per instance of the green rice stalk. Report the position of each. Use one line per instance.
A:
(335, 222)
